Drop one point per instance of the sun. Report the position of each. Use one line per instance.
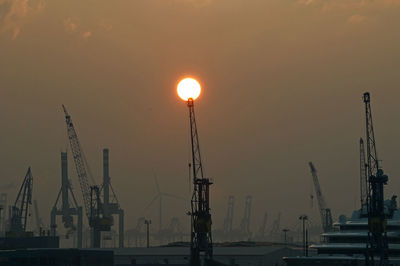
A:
(188, 88)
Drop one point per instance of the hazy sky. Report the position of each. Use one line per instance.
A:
(282, 79)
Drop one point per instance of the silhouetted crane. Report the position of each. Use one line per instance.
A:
(20, 209)
(377, 238)
(228, 221)
(65, 207)
(261, 231)
(201, 239)
(326, 216)
(245, 223)
(90, 193)
(363, 175)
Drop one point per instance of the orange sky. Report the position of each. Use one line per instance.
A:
(283, 81)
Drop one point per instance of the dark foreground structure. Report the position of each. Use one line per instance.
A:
(238, 256)
(7, 243)
(57, 257)
(372, 235)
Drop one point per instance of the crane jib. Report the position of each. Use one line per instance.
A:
(79, 162)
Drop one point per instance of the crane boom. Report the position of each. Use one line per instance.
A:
(363, 175)
(79, 163)
(326, 216)
(94, 207)
(20, 209)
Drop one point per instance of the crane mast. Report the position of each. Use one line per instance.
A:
(326, 216)
(363, 175)
(67, 209)
(245, 223)
(201, 239)
(377, 237)
(261, 231)
(90, 193)
(228, 222)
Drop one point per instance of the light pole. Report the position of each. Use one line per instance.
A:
(148, 222)
(285, 232)
(304, 218)
(200, 238)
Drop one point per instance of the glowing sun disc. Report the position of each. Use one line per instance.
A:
(188, 88)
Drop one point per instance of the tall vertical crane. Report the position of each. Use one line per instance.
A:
(3, 208)
(68, 208)
(98, 222)
(110, 204)
(261, 230)
(20, 209)
(38, 219)
(325, 212)
(276, 225)
(363, 175)
(377, 237)
(245, 223)
(201, 239)
(228, 221)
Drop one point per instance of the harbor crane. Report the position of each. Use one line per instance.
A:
(111, 205)
(38, 220)
(19, 212)
(325, 212)
(261, 230)
(363, 175)
(228, 221)
(201, 239)
(275, 227)
(93, 204)
(137, 234)
(245, 223)
(68, 208)
(377, 236)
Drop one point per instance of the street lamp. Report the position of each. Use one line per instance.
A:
(304, 218)
(148, 222)
(285, 230)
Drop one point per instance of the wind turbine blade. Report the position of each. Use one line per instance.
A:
(157, 185)
(173, 196)
(151, 202)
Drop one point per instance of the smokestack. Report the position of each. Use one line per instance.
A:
(106, 177)
(64, 180)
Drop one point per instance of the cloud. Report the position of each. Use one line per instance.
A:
(105, 25)
(305, 2)
(15, 13)
(71, 25)
(196, 3)
(356, 19)
(328, 5)
(86, 35)
(74, 26)
(353, 11)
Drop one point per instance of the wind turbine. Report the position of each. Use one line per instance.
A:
(159, 196)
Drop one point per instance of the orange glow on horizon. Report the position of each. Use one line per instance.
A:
(188, 88)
